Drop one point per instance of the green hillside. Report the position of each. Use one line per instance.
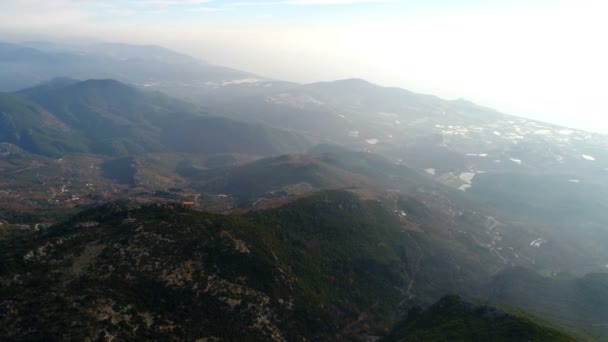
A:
(217, 135)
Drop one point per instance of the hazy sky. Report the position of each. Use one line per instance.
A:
(541, 59)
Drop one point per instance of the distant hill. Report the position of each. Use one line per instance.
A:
(111, 118)
(455, 319)
(27, 64)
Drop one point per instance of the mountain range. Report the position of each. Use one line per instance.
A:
(158, 196)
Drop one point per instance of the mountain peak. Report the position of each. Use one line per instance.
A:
(349, 82)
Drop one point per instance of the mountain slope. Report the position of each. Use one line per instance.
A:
(215, 135)
(27, 124)
(116, 118)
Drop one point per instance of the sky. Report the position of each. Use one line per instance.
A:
(534, 58)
